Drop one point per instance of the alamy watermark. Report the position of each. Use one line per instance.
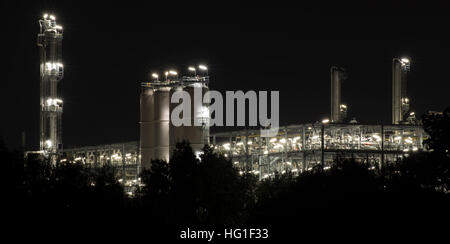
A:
(182, 115)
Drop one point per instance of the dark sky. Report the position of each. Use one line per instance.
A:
(109, 48)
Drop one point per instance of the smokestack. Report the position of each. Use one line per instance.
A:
(24, 142)
(338, 110)
(400, 101)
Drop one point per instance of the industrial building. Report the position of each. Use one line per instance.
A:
(296, 148)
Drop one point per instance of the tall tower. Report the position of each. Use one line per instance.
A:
(400, 101)
(338, 110)
(49, 41)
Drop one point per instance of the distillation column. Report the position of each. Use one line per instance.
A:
(400, 101)
(51, 72)
(338, 110)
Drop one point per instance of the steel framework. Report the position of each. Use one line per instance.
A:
(51, 72)
(125, 157)
(296, 148)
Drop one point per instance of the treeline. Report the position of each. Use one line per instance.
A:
(35, 185)
(209, 191)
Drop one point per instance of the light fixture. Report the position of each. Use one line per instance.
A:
(52, 17)
(377, 137)
(45, 16)
(202, 67)
(166, 74)
(191, 68)
(325, 121)
(405, 60)
(48, 143)
(172, 72)
(155, 75)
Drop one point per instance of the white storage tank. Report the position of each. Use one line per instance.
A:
(198, 135)
(161, 124)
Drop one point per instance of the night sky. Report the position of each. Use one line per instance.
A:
(109, 48)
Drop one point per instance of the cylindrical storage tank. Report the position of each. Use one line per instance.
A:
(396, 91)
(161, 124)
(176, 132)
(146, 127)
(196, 135)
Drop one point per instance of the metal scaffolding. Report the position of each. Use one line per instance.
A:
(296, 148)
(125, 157)
(51, 72)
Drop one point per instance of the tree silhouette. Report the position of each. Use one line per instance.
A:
(205, 190)
(184, 192)
(223, 193)
(153, 196)
(209, 191)
(438, 128)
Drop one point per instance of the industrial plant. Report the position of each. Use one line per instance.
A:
(296, 148)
